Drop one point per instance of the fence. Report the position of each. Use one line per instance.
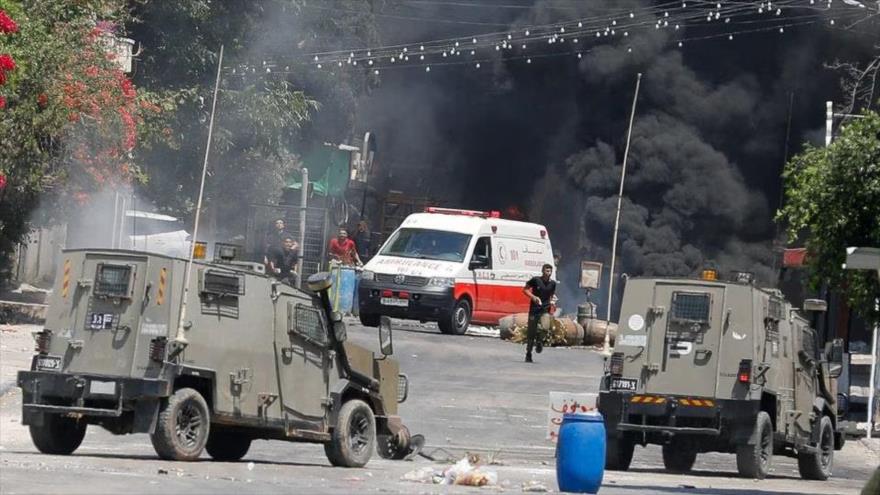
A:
(261, 221)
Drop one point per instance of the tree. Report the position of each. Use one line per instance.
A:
(832, 201)
(68, 114)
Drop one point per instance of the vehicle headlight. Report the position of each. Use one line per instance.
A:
(368, 275)
(442, 282)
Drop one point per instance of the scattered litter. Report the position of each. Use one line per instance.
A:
(353, 478)
(478, 331)
(369, 474)
(460, 473)
(250, 466)
(689, 487)
(162, 471)
(534, 486)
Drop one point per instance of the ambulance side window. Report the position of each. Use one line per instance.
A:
(482, 256)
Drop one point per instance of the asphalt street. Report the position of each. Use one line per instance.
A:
(467, 394)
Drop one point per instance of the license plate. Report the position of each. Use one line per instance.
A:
(49, 363)
(393, 301)
(624, 384)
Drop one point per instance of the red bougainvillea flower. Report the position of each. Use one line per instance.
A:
(2, 103)
(43, 100)
(7, 25)
(6, 62)
(2, 182)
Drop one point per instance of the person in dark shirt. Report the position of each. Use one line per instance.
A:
(540, 291)
(274, 242)
(284, 263)
(362, 241)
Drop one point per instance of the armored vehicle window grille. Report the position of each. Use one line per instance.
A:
(774, 309)
(691, 307)
(306, 321)
(217, 282)
(112, 280)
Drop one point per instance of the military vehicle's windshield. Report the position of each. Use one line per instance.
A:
(427, 244)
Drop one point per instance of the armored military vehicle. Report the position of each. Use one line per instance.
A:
(701, 365)
(258, 360)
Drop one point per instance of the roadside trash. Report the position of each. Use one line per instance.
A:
(460, 473)
(162, 471)
(534, 486)
(250, 466)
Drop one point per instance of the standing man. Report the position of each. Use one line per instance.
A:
(362, 240)
(275, 241)
(343, 249)
(540, 291)
(283, 264)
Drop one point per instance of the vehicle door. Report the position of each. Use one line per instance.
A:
(302, 354)
(107, 303)
(805, 363)
(684, 332)
(481, 275)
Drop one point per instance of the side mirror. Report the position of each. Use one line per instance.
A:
(479, 261)
(835, 358)
(386, 344)
(320, 281)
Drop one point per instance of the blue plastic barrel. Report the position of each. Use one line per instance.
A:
(580, 453)
(342, 291)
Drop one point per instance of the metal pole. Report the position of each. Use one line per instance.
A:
(122, 225)
(303, 211)
(829, 122)
(180, 339)
(606, 346)
(115, 220)
(872, 382)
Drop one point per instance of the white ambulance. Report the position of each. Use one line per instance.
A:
(453, 267)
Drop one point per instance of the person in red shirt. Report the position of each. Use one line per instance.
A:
(343, 249)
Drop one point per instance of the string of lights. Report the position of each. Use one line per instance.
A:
(576, 37)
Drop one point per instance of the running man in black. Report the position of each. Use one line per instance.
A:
(540, 291)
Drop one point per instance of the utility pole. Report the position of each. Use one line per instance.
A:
(303, 211)
(606, 347)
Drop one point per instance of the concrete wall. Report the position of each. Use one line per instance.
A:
(36, 259)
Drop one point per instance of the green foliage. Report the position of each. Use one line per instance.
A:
(832, 202)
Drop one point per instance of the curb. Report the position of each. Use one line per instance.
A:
(872, 444)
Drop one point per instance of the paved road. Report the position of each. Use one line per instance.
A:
(467, 394)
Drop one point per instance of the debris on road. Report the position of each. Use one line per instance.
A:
(460, 473)
(534, 486)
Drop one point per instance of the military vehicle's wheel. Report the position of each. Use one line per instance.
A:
(369, 320)
(58, 435)
(618, 453)
(394, 447)
(817, 465)
(458, 321)
(678, 458)
(354, 437)
(183, 427)
(753, 461)
(227, 446)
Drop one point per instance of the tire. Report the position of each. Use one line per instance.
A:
(369, 320)
(227, 446)
(58, 435)
(458, 321)
(678, 458)
(618, 453)
(817, 465)
(394, 447)
(183, 427)
(354, 437)
(753, 461)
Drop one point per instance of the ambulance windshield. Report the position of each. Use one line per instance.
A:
(428, 245)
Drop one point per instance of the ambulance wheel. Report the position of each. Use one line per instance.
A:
(58, 435)
(227, 446)
(753, 461)
(817, 465)
(183, 426)
(618, 453)
(678, 458)
(458, 321)
(354, 437)
(369, 320)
